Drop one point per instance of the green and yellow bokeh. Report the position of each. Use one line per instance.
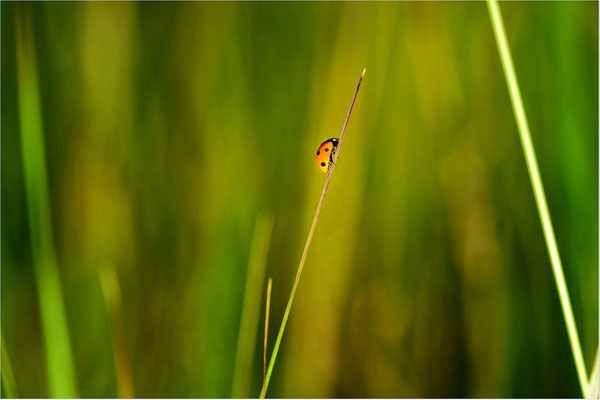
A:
(152, 152)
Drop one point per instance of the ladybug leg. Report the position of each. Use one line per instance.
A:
(331, 162)
(332, 154)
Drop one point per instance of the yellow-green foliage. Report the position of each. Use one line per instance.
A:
(167, 128)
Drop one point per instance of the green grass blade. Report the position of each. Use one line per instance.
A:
(8, 379)
(247, 332)
(538, 188)
(594, 380)
(59, 360)
(266, 336)
(286, 313)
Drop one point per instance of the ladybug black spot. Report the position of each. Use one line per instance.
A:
(326, 149)
(322, 164)
(318, 152)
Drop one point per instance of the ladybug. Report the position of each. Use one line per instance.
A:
(325, 153)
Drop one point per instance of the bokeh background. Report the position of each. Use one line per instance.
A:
(169, 171)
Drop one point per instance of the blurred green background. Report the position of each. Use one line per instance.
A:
(170, 170)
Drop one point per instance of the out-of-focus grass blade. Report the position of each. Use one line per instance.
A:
(59, 361)
(112, 301)
(251, 307)
(8, 380)
(594, 380)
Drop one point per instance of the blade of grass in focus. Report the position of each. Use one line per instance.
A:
(313, 226)
(59, 360)
(266, 336)
(112, 301)
(8, 379)
(538, 189)
(247, 332)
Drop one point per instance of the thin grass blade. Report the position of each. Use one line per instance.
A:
(113, 304)
(538, 188)
(268, 307)
(286, 313)
(257, 262)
